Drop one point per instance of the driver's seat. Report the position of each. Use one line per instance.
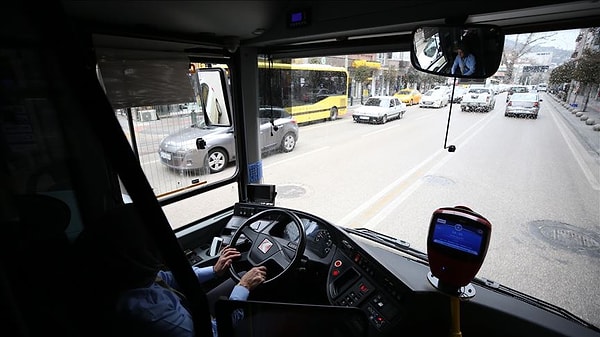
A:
(111, 253)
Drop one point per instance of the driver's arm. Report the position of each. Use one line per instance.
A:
(455, 64)
(223, 262)
(228, 254)
(249, 281)
(253, 277)
(470, 64)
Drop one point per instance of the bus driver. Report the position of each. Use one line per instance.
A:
(142, 298)
(464, 62)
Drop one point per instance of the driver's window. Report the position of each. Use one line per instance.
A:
(177, 119)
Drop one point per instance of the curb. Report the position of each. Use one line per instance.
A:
(582, 116)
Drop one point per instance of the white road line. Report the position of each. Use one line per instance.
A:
(397, 201)
(381, 215)
(382, 130)
(297, 157)
(576, 150)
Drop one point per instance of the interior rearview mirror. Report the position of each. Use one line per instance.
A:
(468, 51)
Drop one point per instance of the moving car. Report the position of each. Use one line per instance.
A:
(516, 88)
(459, 92)
(435, 98)
(523, 104)
(212, 147)
(478, 99)
(409, 96)
(379, 110)
(542, 87)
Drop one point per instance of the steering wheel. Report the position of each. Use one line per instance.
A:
(274, 238)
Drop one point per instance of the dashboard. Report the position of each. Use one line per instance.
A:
(391, 287)
(351, 277)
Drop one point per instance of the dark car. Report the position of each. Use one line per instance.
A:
(523, 104)
(181, 150)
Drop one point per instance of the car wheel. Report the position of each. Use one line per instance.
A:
(217, 160)
(288, 143)
(384, 119)
(333, 114)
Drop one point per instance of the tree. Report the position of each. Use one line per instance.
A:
(523, 44)
(587, 73)
(588, 67)
(411, 76)
(563, 73)
(362, 74)
(390, 77)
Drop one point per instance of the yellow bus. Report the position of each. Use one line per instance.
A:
(310, 92)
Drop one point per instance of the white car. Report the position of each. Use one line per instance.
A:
(379, 110)
(542, 87)
(478, 99)
(435, 99)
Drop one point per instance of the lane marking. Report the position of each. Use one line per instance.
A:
(377, 206)
(296, 157)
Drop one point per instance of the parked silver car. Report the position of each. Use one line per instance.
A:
(525, 104)
(212, 147)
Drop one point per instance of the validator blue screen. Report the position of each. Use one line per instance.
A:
(457, 236)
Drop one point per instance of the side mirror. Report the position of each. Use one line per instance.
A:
(200, 144)
(435, 48)
(210, 86)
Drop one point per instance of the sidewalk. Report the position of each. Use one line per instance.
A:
(591, 115)
(585, 123)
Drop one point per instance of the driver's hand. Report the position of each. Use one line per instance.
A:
(254, 277)
(225, 259)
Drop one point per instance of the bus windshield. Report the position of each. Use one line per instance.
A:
(390, 177)
(264, 152)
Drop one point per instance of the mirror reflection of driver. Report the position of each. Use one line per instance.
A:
(464, 63)
(121, 262)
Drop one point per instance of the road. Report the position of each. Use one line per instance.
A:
(391, 177)
(409, 174)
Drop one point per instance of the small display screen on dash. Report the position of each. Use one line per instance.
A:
(454, 235)
(297, 17)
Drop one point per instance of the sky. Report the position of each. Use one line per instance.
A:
(564, 39)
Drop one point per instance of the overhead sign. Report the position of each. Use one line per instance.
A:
(535, 69)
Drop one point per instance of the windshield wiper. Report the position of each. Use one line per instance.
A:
(388, 241)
